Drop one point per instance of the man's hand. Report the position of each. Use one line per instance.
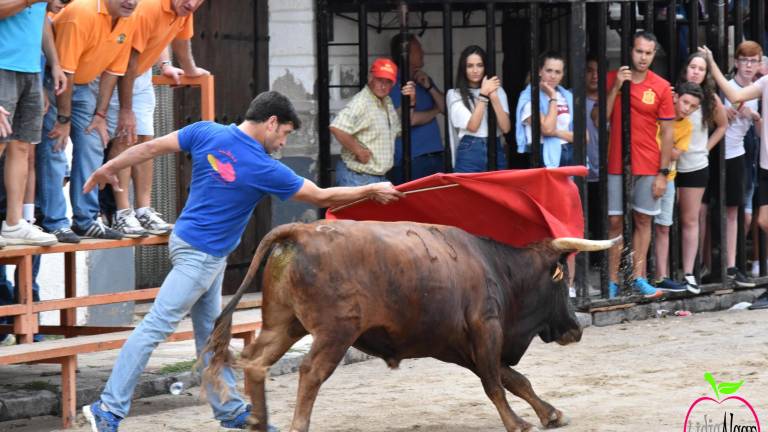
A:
(196, 72)
(5, 125)
(173, 73)
(99, 124)
(422, 78)
(100, 178)
(409, 89)
(60, 133)
(59, 80)
(126, 126)
(384, 193)
(622, 75)
(363, 155)
(659, 185)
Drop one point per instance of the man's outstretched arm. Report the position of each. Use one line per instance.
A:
(134, 155)
(310, 193)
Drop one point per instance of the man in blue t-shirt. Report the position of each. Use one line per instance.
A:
(22, 25)
(231, 171)
(426, 144)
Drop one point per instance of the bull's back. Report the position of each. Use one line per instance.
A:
(402, 284)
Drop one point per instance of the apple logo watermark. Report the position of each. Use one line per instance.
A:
(737, 413)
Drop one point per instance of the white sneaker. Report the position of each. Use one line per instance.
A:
(3, 243)
(127, 224)
(8, 340)
(755, 269)
(25, 233)
(691, 285)
(152, 222)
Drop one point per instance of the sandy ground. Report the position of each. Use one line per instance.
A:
(639, 376)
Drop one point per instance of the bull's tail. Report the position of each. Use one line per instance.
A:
(217, 348)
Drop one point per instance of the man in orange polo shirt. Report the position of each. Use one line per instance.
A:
(158, 23)
(93, 40)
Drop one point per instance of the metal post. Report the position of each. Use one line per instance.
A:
(693, 27)
(448, 78)
(490, 70)
(738, 22)
(323, 95)
(717, 40)
(602, 127)
(672, 38)
(758, 23)
(362, 42)
(648, 16)
(535, 102)
(405, 112)
(626, 139)
(578, 62)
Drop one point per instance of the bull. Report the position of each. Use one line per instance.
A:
(398, 290)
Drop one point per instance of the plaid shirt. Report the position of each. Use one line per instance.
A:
(375, 124)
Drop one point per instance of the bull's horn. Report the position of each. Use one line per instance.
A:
(572, 243)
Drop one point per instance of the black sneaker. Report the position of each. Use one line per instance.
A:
(97, 230)
(761, 302)
(737, 277)
(66, 235)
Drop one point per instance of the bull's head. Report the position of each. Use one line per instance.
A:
(564, 327)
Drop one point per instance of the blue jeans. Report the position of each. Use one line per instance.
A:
(472, 155)
(51, 167)
(192, 286)
(347, 177)
(566, 155)
(421, 166)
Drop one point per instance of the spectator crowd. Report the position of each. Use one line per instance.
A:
(673, 130)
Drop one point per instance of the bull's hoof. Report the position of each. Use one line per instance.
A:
(556, 419)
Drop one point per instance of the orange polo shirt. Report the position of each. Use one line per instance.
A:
(156, 26)
(86, 42)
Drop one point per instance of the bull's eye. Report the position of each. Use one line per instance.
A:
(557, 276)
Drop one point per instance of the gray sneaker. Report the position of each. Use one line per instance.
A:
(97, 230)
(127, 224)
(152, 222)
(25, 233)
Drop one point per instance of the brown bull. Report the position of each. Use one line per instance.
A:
(403, 290)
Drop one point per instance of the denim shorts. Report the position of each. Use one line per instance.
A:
(472, 154)
(21, 94)
(642, 195)
(143, 106)
(667, 206)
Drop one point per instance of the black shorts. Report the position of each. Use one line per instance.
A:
(734, 181)
(762, 187)
(693, 179)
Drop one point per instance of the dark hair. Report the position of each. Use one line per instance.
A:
(550, 55)
(272, 103)
(592, 57)
(708, 101)
(396, 45)
(647, 36)
(689, 88)
(462, 83)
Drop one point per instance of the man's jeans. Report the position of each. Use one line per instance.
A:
(193, 286)
(87, 156)
(347, 177)
(421, 166)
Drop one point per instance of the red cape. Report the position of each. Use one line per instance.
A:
(516, 207)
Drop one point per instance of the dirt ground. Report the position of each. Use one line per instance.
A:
(629, 377)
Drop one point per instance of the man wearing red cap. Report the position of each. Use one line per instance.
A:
(367, 127)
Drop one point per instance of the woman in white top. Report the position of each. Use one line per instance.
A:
(468, 115)
(693, 165)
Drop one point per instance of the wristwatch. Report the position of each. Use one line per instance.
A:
(63, 119)
(664, 171)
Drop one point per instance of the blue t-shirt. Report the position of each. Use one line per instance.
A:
(231, 172)
(424, 138)
(21, 38)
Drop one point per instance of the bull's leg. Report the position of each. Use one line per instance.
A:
(324, 356)
(259, 356)
(519, 385)
(487, 349)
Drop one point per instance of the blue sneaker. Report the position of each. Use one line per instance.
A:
(669, 285)
(101, 420)
(240, 422)
(613, 290)
(645, 289)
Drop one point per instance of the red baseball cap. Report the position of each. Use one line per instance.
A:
(385, 68)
